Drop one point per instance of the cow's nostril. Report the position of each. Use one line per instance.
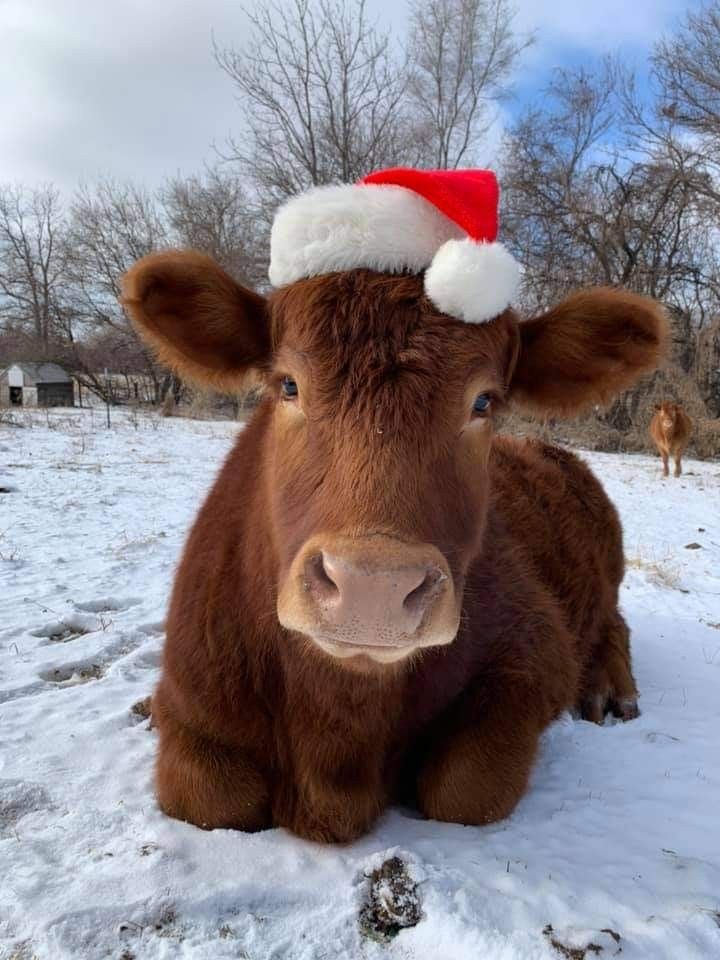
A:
(419, 598)
(318, 580)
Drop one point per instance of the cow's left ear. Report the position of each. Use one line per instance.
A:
(586, 350)
(197, 318)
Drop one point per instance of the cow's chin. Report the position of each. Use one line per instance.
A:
(363, 655)
(369, 654)
(370, 645)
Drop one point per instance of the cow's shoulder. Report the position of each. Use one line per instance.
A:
(534, 461)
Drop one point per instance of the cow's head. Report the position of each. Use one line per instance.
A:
(387, 350)
(668, 413)
(380, 417)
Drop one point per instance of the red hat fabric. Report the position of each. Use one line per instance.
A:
(467, 197)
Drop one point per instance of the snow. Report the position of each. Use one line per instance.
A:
(617, 836)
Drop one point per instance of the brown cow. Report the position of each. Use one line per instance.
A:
(380, 600)
(670, 430)
(377, 484)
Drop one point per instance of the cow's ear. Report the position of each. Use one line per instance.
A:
(657, 406)
(197, 319)
(585, 350)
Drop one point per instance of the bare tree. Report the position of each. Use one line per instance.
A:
(32, 260)
(212, 213)
(323, 96)
(550, 208)
(111, 226)
(583, 205)
(590, 198)
(687, 66)
(707, 366)
(461, 56)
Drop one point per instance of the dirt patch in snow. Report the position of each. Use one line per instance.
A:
(610, 945)
(392, 902)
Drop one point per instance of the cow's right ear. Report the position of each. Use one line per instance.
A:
(657, 406)
(197, 319)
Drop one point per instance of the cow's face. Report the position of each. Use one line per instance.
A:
(382, 424)
(668, 414)
(380, 416)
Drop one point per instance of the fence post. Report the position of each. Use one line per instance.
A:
(107, 396)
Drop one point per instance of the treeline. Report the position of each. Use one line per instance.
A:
(61, 262)
(600, 183)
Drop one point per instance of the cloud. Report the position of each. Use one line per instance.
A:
(131, 89)
(128, 89)
(598, 26)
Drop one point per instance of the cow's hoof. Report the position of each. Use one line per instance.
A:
(596, 707)
(625, 709)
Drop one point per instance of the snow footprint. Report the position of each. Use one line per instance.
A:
(108, 604)
(83, 671)
(68, 627)
(73, 674)
(17, 799)
(87, 617)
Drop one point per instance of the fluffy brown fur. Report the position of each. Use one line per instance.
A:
(670, 430)
(257, 725)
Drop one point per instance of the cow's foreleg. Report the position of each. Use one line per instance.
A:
(331, 806)
(678, 463)
(665, 459)
(208, 783)
(478, 767)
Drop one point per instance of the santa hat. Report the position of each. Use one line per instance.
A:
(441, 221)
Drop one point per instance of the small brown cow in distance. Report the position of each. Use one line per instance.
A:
(381, 601)
(670, 430)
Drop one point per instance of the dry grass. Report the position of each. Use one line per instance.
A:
(207, 405)
(705, 441)
(661, 571)
(22, 951)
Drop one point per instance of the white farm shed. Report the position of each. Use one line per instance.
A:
(36, 385)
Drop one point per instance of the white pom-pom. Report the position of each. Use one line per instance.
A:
(472, 281)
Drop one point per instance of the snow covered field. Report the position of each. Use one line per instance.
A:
(616, 847)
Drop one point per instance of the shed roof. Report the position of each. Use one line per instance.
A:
(43, 373)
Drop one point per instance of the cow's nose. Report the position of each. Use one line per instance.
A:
(374, 595)
(366, 603)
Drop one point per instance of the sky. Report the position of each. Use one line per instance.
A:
(130, 89)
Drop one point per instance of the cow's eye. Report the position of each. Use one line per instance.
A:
(289, 388)
(481, 406)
